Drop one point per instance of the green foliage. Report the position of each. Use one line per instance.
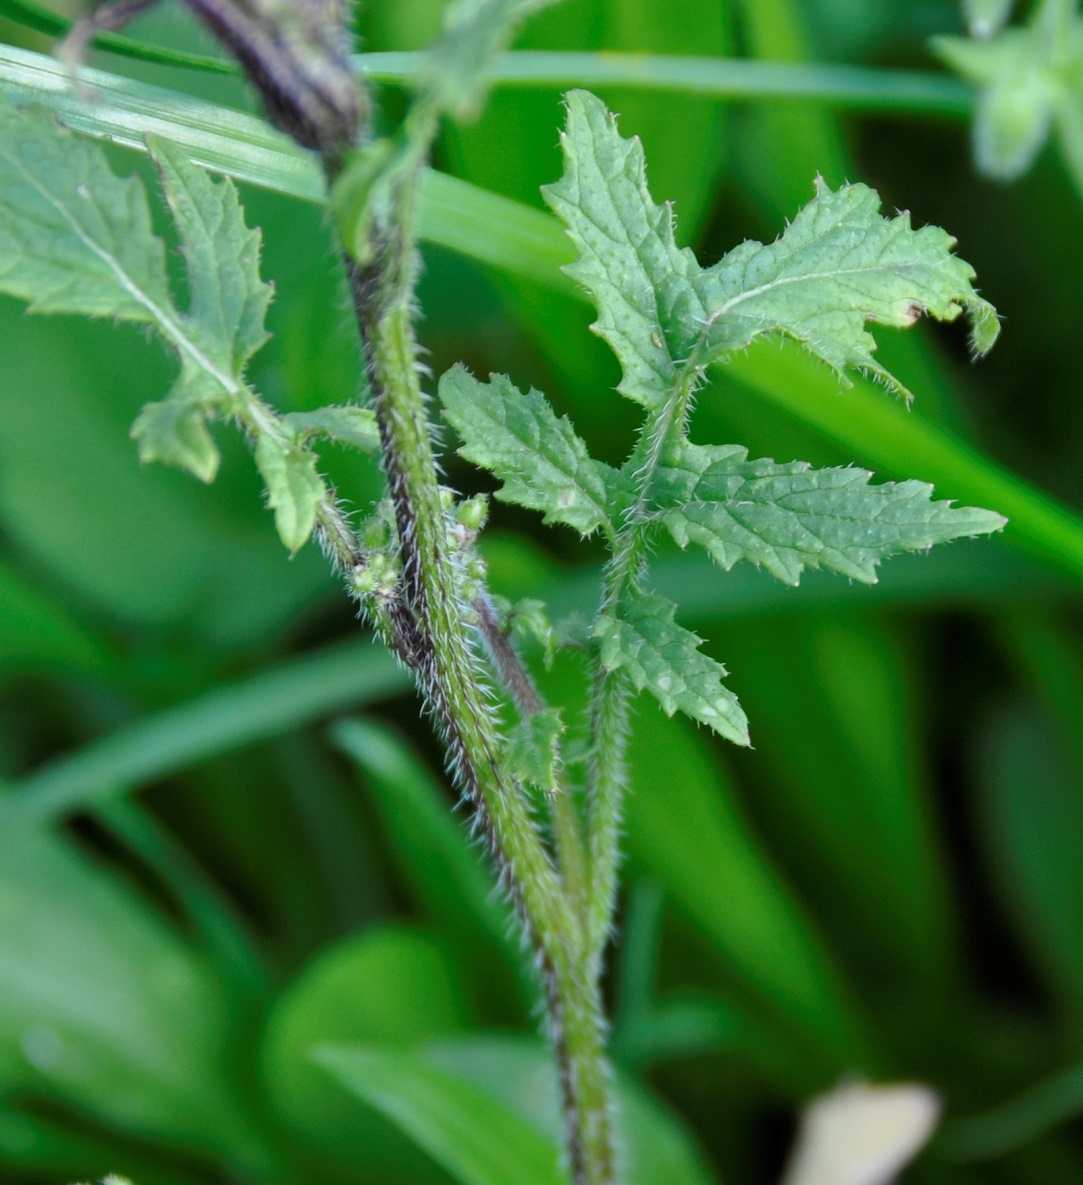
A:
(837, 266)
(1030, 81)
(171, 970)
(792, 517)
(538, 457)
(646, 643)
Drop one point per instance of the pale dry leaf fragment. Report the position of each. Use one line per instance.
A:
(861, 1134)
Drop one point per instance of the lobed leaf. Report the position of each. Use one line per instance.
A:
(533, 750)
(644, 641)
(175, 431)
(228, 300)
(77, 239)
(789, 517)
(543, 464)
(837, 266)
(355, 426)
(294, 488)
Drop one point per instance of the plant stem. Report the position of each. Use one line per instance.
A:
(611, 696)
(432, 624)
(567, 825)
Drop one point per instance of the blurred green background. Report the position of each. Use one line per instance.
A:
(232, 843)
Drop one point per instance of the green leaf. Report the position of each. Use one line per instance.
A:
(475, 31)
(79, 240)
(643, 640)
(388, 983)
(228, 300)
(837, 266)
(487, 1109)
(294, 488)
(103, 1006)
(354, 426)
(541, 461)
(533, 751)
(791, 517)
(469, 1132)
(175, 431)
(76, 238)
(654, 1147)
(986, 17)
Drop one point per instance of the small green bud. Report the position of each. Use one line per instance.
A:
(447, 498)
(1013, 119)
(473, 512)
(362, 581)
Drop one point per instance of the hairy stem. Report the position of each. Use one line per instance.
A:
(567, 825)
(611, 695)
(434, 626)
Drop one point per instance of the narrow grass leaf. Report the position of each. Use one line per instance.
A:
(227, 718)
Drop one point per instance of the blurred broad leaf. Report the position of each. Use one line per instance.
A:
(104, 1008)
(486, 1108)
(386, 984)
